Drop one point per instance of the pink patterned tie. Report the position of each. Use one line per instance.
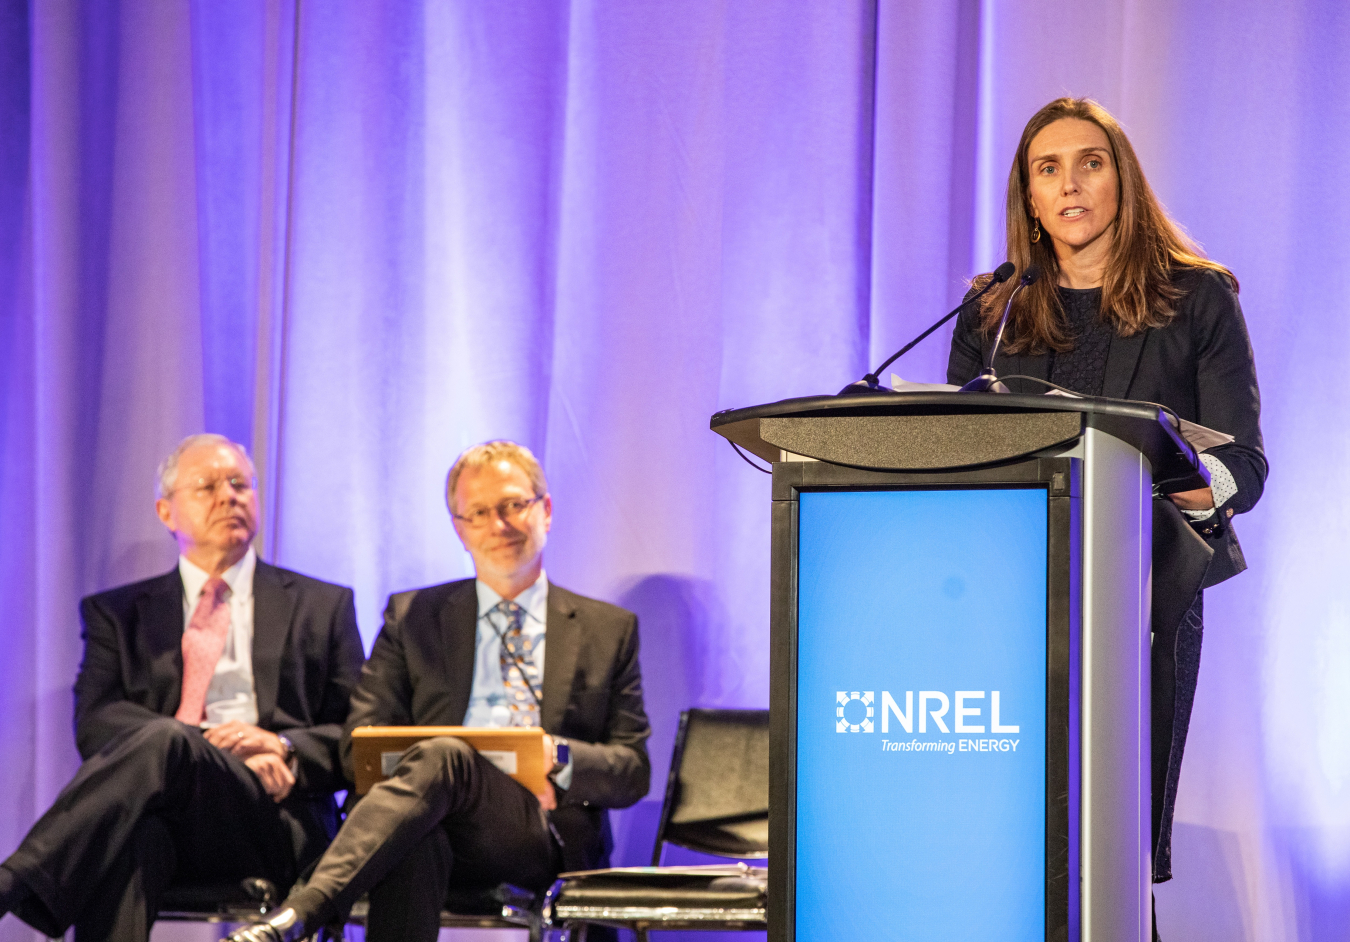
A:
(203, 643)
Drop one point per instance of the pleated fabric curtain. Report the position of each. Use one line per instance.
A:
(360, 237)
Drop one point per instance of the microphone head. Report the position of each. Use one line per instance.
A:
(1004, 272)
(1030, 275)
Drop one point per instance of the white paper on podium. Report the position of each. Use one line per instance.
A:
(899, 385)
(1203, 439)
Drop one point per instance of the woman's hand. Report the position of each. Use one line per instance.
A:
(1202, 498)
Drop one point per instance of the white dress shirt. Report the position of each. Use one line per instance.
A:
(231, 695)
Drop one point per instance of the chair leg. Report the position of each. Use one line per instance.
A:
(641, 935)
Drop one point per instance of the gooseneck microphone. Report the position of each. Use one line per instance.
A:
(987, 381)
(870, 382)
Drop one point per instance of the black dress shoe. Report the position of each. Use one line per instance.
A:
(284, 926)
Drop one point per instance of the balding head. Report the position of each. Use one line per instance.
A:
(207, 499)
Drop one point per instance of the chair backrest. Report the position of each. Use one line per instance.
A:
(717, 795)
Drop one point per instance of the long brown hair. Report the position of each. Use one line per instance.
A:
(1147, 248)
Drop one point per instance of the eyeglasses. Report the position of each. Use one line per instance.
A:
(205, 490)
(511, 511)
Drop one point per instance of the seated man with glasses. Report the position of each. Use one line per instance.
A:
(471, 653)
(208, 711)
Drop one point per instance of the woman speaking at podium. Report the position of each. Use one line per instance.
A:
(1127, 307)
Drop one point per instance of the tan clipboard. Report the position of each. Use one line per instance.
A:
(517, 751)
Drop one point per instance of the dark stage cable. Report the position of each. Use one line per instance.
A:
(747, 460)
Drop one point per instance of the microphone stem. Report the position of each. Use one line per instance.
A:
(913, 343)
(1002, 324)
(874, 377)
(987, 381)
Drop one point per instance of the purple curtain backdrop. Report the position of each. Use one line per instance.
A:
(360, 237)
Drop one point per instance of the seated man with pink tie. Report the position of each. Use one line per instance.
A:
(208, 711)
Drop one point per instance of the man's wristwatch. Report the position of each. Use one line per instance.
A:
(562, 754)
(288, 746)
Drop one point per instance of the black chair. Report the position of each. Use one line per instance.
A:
(248, 900)
(717, 802)
(502, 907)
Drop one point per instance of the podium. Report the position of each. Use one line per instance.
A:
(960, 637)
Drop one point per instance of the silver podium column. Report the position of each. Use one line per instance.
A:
(1115, 823)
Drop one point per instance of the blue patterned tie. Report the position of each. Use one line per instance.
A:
(524, 709)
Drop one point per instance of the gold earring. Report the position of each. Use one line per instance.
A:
(1036, 233)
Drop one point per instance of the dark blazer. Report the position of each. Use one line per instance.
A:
(1200, 365)
(420, 673)
(307, 656)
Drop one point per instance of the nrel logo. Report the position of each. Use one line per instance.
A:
(841, 725)
(933, 656)
(933, 705)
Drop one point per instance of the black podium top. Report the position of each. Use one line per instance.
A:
(928, 431)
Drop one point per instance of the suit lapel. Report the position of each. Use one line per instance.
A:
(160, 614)
(1027, 365)
(1038, 366)
(458, 619)
(563, 644)
(1121, 362)
(1023, 365)
(273, 606)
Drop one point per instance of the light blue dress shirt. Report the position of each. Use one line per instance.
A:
(488, 702)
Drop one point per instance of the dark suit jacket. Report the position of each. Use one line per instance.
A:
(307, 657)
(420, 673)
(1200, 365)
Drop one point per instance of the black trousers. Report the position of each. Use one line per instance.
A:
(159, 804)
(445, 817)
(1175, 672)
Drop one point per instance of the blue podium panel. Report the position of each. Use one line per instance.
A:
(921, 715)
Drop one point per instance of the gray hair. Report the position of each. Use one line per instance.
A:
(487, 453)
(167, 475)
